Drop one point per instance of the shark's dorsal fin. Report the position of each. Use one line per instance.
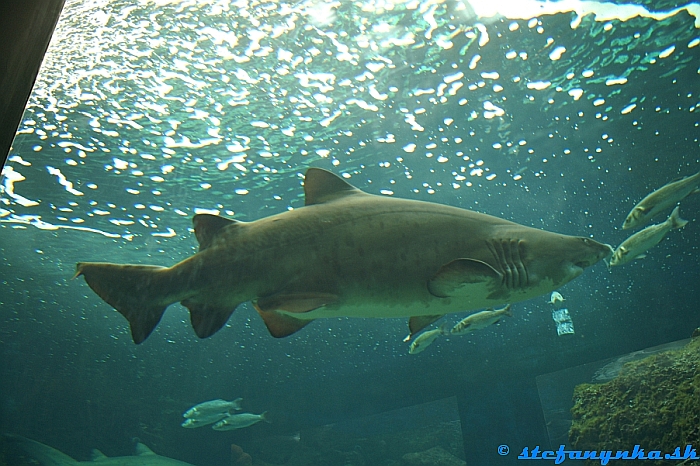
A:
(207, 227)
(97, 455)
(142, 450)
(323, 186)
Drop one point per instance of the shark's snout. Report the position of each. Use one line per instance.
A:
(593, 253)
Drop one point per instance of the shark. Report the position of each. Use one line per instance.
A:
(346, 253)
(48, 456)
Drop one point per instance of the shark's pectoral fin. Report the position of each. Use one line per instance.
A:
(296, 303)
(418, 323)
(281, 325)
(207, 319)
(464, 277)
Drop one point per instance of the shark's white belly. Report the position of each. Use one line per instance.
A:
(477, 299)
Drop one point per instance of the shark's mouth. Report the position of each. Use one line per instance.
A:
(575, 269)
(605, 252)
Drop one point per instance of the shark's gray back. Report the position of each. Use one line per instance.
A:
(44, 454)
(139, 460)
(48, 456)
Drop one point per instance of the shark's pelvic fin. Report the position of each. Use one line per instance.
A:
(281, 325)
(296, 303)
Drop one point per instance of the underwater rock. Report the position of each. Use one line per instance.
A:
(435, 456)
(239, 457)
(653, 403)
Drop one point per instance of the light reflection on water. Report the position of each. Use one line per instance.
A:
(163, 109)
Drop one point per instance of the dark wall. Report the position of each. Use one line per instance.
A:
(26, 27)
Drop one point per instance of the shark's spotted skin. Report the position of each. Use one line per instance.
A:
(346, 253)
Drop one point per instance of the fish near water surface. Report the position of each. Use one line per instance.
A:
(661, 199)
(634, 246)
(346, 253)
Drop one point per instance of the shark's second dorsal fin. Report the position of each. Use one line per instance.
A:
(207, 227)
(323, 186)
(97, 455)
(142, 450)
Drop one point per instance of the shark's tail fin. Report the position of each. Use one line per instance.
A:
(44, 454)
(139, 292)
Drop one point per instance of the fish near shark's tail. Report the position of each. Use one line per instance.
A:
(139, 292)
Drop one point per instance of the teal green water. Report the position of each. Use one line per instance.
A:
(146, 113)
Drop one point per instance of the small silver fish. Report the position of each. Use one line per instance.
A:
(239, 421)
(480, 320)
(201, 420)
(634, 246)
(213, 407)
(425, 339)
(663, 198)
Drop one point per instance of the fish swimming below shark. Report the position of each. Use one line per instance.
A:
(346, 253)
(48, 456)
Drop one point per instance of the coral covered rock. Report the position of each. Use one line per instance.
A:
(239, 457)
(435, 456)
(653, 403)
